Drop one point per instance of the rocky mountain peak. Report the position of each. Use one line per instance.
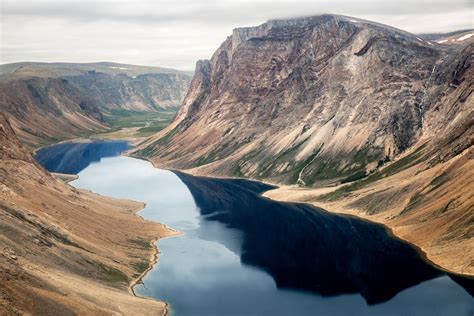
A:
(280, 100)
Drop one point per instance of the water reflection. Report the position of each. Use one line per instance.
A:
(242, 254)
(303, 247)
(72, 157)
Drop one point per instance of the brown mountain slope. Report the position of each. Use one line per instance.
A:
(63, 250)
(327, 100)
(44, 110)
(275, 97)
(111, 85)
(48, 102)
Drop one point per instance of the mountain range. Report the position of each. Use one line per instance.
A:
(349, 115)
(48, 102)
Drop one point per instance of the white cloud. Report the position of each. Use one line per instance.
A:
(176, 33)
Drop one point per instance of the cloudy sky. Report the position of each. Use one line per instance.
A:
(175, 33)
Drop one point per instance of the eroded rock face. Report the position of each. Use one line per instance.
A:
(145, 92)
(315, 100)
(50, 102)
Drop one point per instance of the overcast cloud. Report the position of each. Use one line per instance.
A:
(175, 33)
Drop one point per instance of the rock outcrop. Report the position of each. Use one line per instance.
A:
(281, 100)
(332, 100)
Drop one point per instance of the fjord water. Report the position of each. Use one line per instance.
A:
(241, 254)
(72, 157)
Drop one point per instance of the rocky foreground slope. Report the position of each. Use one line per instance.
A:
(65, 251)
(47, 102)
(382, 117)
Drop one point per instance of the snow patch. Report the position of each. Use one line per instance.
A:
(442, 41)
(465, 37)
(354, 21)
(121, 68)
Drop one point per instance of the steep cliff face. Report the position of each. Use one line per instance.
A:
(354, 116)
(145, 92)
(49, 102)
(314, 100)
(66, 251)
(43, 110)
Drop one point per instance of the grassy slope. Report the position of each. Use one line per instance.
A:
(134, 125)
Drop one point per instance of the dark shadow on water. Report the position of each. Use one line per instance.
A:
(299, 246)
(306, 248)
(72, 157)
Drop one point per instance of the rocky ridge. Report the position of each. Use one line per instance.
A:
(379, 118)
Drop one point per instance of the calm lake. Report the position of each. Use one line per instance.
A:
(242, 254)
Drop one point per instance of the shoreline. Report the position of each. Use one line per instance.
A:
(391, 230)
(153, 260)
(154, 256)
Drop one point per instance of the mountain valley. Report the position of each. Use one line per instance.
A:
(315, 164)
(49, 102)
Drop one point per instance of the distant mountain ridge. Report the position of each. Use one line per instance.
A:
(53, 101)
(456, 35)
(61, 69)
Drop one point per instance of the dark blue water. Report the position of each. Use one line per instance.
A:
(242, 254)
(72, 157)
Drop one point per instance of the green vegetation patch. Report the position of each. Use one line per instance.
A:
(266, 168)
(141, 243)
(153, 128)
(351, 167)
(237, 170)
(438, 181)
(141, 266)
(395, 167)
(151, 149)
(145, 152)
(118, 119)
(111, 274)
(414, 201)
(355, 176)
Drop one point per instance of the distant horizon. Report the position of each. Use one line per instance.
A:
(175, 34)
(92, 62)
(161, 66)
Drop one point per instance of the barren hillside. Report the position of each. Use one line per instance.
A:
(66, 251)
